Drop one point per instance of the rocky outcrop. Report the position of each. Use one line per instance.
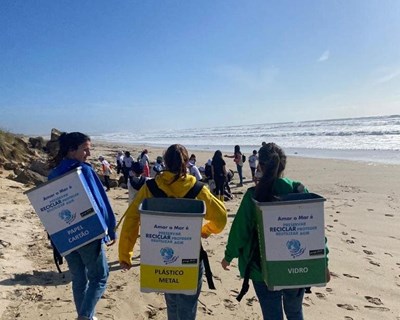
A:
(52, 144)
(26, 158)
(37, 143)
(30, 177)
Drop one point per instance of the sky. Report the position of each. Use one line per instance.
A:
(144, 65)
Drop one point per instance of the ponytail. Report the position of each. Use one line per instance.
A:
(272, 161)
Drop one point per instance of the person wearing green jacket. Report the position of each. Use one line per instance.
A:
(241, 240)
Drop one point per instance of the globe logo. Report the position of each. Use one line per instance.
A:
(67, 216)
(294, 247)
(168, 255)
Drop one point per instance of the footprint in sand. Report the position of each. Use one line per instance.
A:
(320, 295)
(377, 308)
(374, 300)
(151, 312)
(346, 306)
(229, 304)
(350, 276)
(250, 301)
(368, 252)
(348, 318)
(375, 263)
(234, 292)
(329, 290)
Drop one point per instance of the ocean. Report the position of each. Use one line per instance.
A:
(372, 139)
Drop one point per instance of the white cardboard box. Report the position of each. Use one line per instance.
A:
(170, 236)
(292, 241)
(68, 211)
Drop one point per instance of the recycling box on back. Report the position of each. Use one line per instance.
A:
(170, 236)
(292, 241)
(68, 211)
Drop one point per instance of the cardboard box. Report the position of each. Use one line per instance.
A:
(292, 241)
(68, 211)
(170, 235)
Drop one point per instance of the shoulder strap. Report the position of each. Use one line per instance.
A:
(155, 190)
(246, 278)
(194, 191)
(207, 268)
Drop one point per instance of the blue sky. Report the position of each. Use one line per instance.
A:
(145, 65)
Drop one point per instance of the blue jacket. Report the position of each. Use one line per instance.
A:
(95, 186)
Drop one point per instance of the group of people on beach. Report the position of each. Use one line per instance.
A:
(88, 264)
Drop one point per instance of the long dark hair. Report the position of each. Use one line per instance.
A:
(217, 155)
(272, 161)
(176, 158)
(67, 142)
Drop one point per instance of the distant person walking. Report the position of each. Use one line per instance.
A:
(145, 162)
(238, 159)
(88, 264)
(253, 164)
(106, 170)
(119, 158)
(127, 163)
(219, 174)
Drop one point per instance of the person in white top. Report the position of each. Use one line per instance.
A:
(145, 162)
(106, 170)
(119, 158)
(193, 170)
(253, 164)
(127, 165)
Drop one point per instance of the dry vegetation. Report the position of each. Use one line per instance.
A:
(13, 148)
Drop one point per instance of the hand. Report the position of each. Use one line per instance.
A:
(225, 264)
(204, 235)
(110, 243)
(124, 266)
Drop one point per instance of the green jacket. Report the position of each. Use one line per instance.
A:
(241, 235)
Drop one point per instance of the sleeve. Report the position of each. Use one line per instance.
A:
(130, 227)
(242, 228)
(100, 196)
(216, 214)
(197, 173)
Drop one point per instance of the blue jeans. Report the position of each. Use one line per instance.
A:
(271, 302)
(240, 170)
(183, 306)
(89, 271)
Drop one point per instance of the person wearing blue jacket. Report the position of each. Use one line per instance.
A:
(88, 264)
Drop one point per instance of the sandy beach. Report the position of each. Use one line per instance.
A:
(362, 218)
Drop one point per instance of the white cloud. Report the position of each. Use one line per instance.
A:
(325, 56)
(389, 76)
